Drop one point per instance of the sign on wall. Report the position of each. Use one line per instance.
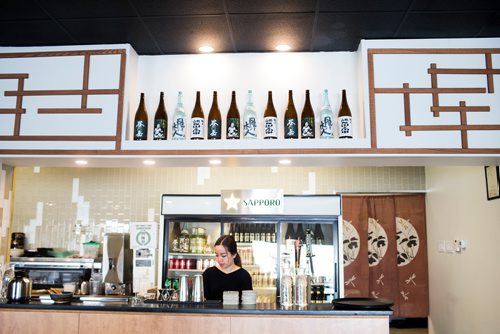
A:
(252, 201)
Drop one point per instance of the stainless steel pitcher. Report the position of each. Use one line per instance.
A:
(197, 294)
(19, 288)
(183, 288)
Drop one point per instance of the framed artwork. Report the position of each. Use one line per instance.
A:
(492, 182)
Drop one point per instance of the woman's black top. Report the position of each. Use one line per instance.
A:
(215, 282)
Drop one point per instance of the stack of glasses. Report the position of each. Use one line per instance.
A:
(230, 298)
(248, 297)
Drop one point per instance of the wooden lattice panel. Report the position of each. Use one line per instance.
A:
(53, 91)
(434, 98)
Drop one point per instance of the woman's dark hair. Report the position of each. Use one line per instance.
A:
(228, 242)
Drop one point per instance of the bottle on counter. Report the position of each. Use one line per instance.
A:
(345, 118)
(307, 119)
(179, 120)
(160, 121)
(291, 120)
(250, 119)
(214, 120)
(233, 119)
(141, 121)
(197, 120)
(270, 119)
(326, 126)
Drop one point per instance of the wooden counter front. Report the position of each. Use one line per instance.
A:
(102, 322)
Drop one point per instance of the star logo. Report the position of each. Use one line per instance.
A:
(232, 202)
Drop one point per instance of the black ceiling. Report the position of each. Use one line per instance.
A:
(181, 26)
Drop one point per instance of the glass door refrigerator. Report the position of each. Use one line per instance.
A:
(304, 236)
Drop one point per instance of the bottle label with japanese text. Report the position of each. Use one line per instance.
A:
(345, 127)
(178, 128)
(214, 131)
(307, 127)
(233, 128)
(291, 128)
(160, 129)
(270, 127)
(197, 128)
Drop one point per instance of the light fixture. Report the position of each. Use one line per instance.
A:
(283, 47)
(81, 162)
(285, 162)
(214, 162)
(149, 162)
(206, 49)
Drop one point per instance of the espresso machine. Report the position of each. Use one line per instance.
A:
(117, 264)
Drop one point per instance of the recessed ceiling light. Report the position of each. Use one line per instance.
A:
(206, 49)
(283, 47)
(81, 162)
(214, 162)
(149, 162)
(285, 162)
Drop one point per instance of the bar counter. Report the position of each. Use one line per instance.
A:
(188, 318)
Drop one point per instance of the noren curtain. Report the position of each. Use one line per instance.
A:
(385, 251)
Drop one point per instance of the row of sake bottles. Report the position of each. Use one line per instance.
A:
(329, 125)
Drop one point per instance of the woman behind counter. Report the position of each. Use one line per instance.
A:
(227, 274)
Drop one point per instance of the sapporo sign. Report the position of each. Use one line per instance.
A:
(252, 201)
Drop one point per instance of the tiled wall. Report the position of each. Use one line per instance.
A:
(6, 177)
(53, 205)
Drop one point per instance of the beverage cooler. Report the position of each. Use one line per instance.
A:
(276, 235)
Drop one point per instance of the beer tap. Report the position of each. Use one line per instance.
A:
(309, 253)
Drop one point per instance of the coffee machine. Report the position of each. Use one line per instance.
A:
(117, 264)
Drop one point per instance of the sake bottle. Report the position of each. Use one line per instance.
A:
(175, 237)
(291, 120)
(250, 119)
(307, 119)
(214, 120)
(197, 120)
(326, 118)
(345, 118)
(179, 120)
(160, 121)
(233, 119)
(270, 119)
(141, 121)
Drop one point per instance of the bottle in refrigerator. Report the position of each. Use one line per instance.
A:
(319, 238)
(184, 240)
(290, 232)
(301, 234)
(237, 234)
(175, 237)
(252, 228)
